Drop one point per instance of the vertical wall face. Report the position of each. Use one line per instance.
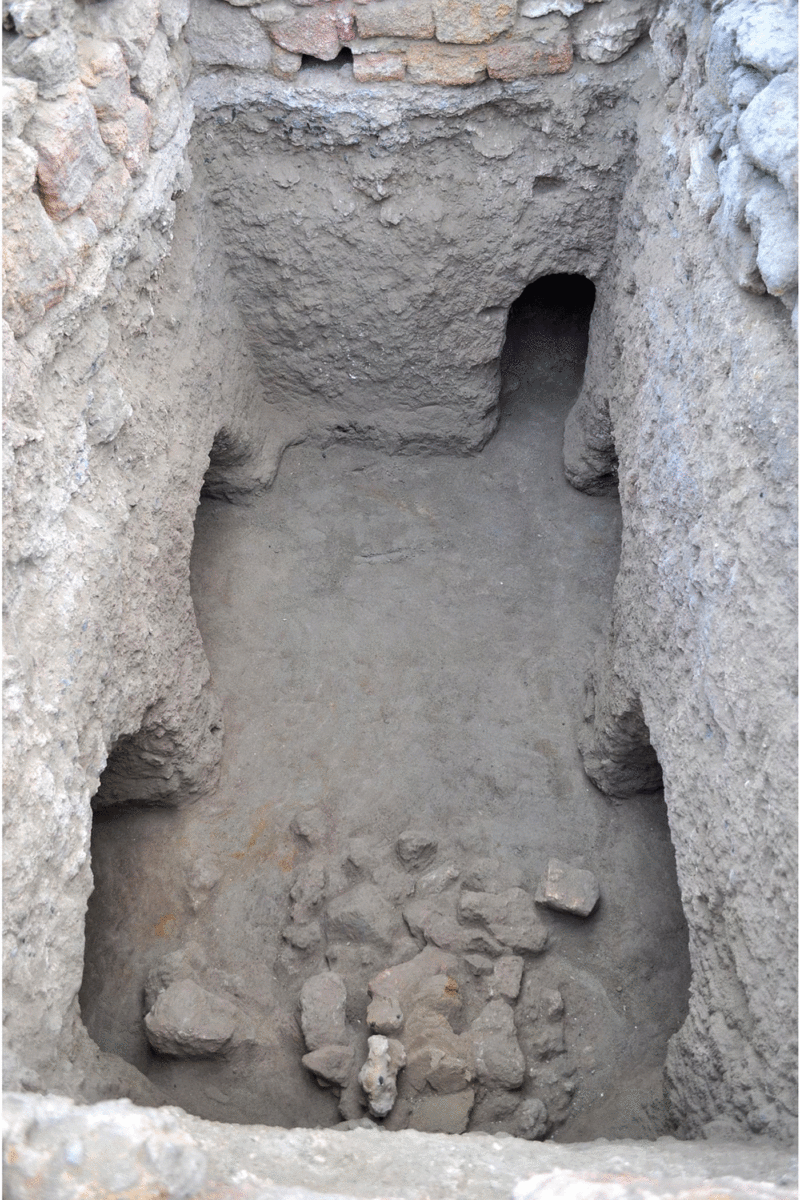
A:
(690, 384)
(374, 262)
(359, 286)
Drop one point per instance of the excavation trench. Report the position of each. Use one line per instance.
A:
(400, 644)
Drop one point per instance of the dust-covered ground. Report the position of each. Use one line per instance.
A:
(401, 643)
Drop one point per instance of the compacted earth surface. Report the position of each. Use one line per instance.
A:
(400, 645)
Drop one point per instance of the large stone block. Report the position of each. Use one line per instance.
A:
(604, 32)
(768, 130)
(50, 60)
(36, 262)
(428, 62)
(104, 74)
(319, 32)
(472, 22)
(132, 23)
(221, 36)
(71, 151)
(396, 18)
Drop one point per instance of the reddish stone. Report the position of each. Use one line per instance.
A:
(71, 151)
(319, 31)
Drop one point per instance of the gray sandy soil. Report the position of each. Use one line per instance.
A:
(402, 642)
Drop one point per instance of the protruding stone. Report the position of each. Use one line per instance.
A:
(499, 1062)
(568, 889)
(362, 914)
(443, 1114)
(530, 1120)
(510, 915)
(545, 49)
(284, 64)
(378, 1076)
(319, 32)
(436, 921)
(507, 977)
(330, 1064)
(71, 152)
(189, 1022)
(322, 1010)
(416, 848)
(172, 968)
(384, 1015)
(603, 32)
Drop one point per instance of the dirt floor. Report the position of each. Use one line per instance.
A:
(401, 643)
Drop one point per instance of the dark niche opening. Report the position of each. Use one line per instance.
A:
(344, 57)
(547, 337)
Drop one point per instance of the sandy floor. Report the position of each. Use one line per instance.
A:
(403, 641)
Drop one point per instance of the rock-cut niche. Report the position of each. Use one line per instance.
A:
(399, 645)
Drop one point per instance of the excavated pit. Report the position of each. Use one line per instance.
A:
(400, 644)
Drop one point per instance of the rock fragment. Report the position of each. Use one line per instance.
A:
(384, 1015)
(330, 1064)
(568, 889)
(507, 977)
(362, 914)
(511, 916)
(499, 1062)
(378, 1076)
(443, 1114)
(322, 1011)
(189, 1022)
(416, 849)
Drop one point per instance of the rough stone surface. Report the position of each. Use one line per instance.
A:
(165, 1152)
(331, 1064)
(733, 837)
(189, 1022)
(510, 915)
(378, 1075)
(322, 1015)
(568, 889)
(467, 23)
(604, 32)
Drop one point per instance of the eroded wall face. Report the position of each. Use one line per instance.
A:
(690, 386)
(374, 261)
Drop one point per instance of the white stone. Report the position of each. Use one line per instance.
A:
(768, 130)
(541, 8)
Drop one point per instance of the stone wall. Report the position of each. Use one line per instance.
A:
(446, 42)
(689, 398)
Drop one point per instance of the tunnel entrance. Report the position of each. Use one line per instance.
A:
(403, 844)
(547, 337)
